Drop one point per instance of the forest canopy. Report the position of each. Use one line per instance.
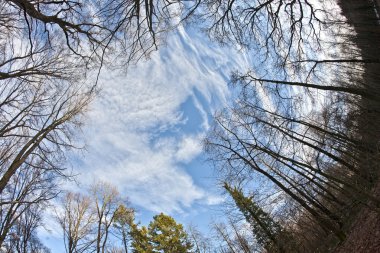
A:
(295, 150)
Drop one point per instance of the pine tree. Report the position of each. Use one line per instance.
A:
(123, 220)
(265, 229)
(163, 234)
(140, 241)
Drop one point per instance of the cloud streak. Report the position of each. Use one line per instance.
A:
(136, 131)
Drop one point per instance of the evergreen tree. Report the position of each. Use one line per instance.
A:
(123, 220)
(140, 240)
(265, 229)
(163, 234)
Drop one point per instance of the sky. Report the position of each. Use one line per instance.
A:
(144, 132)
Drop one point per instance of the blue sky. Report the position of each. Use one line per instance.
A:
(144, 133)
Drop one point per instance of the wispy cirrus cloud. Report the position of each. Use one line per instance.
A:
(141, 138)
(137, 132)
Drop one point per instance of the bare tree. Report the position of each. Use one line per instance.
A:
(200, 242)
(248, 143)
(309, 155)
(289, 28)
(42, 100)
(23, 234)
(249, 79)
(106, 200)
(77, 221)
(235, 237)
(95, 222)
(21, 202)
(37, 125)
(90, 30)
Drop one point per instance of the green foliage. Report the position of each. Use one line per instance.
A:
(168, 236)
(140, 240)
(123, 216)
(162, 235)
(265, 229)
(123, 220)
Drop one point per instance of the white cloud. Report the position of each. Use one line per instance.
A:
(189, 148)
(134, 133)
(148, 174)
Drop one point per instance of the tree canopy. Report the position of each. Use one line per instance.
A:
(301, 131)
(163, 234)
